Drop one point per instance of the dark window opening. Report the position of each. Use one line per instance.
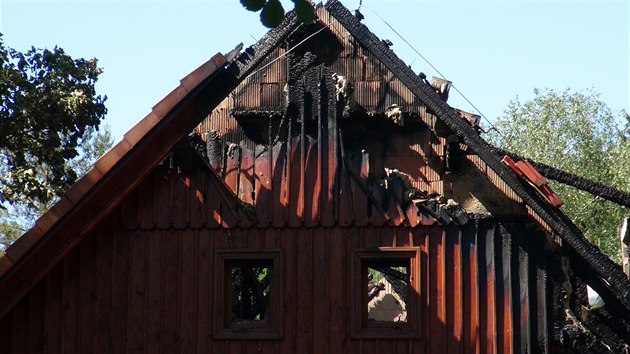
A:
(250, 291)
(248, 296)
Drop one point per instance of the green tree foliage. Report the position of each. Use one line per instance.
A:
(18, 217)
(272, 11)
(578, 133)
(47, 105)
(49, 120)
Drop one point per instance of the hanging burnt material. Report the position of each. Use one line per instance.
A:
(454, 154)
(214, 150)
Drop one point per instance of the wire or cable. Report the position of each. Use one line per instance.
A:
(285, 54)
(436, 69)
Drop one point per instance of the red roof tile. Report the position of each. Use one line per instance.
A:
(140, 129)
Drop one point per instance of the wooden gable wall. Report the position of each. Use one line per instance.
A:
(302, 179)
(143, 282)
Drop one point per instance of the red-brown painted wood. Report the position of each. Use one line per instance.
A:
(246, 185)
(262, 183)
(295, 197)
(279, 185)
(163, 197)
(312, 185)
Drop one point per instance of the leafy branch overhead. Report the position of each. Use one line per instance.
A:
(48, 107)
(272, 13)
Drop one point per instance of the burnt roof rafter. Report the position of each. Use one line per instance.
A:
(608, 273)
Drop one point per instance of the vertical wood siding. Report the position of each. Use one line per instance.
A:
(149, 291)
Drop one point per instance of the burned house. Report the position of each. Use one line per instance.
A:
(310, 194)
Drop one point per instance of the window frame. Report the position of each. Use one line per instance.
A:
(360, 328)
(222, 300)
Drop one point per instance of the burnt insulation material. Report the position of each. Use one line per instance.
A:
(595, 188)
(601, 265)
(213, 149)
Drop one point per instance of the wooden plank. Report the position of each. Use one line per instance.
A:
(204, 289)
(163, 194)
(312, 185)
(328, 149)
(129, 211)
(120, 292)
(338, 270)
(377, 215)
(35, 318)
(386, 346)
(370, 237)
(246, 185)
(296, 183)
(104, 261)
(304, 291)
(197, 200)
(361, 170)
(388, 237)
(436, 290)
(490, 293)
(404, 237)
(53, 319)
(412, 215)
(154, 299)
(146, 201)
(212, 199)
(470, 289)
(288, 242)
(137, 286)
(187, 298)
(181, 200)
(454, 305)
(279, 185)
(5, 334)
(520, 287)
(232, 165)
(169, 307)
(19, 336)
(321, 292)
(262, 186)
(504, 325)
(345, 214)
(70, 326)
(87, 293)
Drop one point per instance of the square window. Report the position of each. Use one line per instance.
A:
(385, 292)
(247, 297)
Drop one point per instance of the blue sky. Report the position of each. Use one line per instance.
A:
(493, 51)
